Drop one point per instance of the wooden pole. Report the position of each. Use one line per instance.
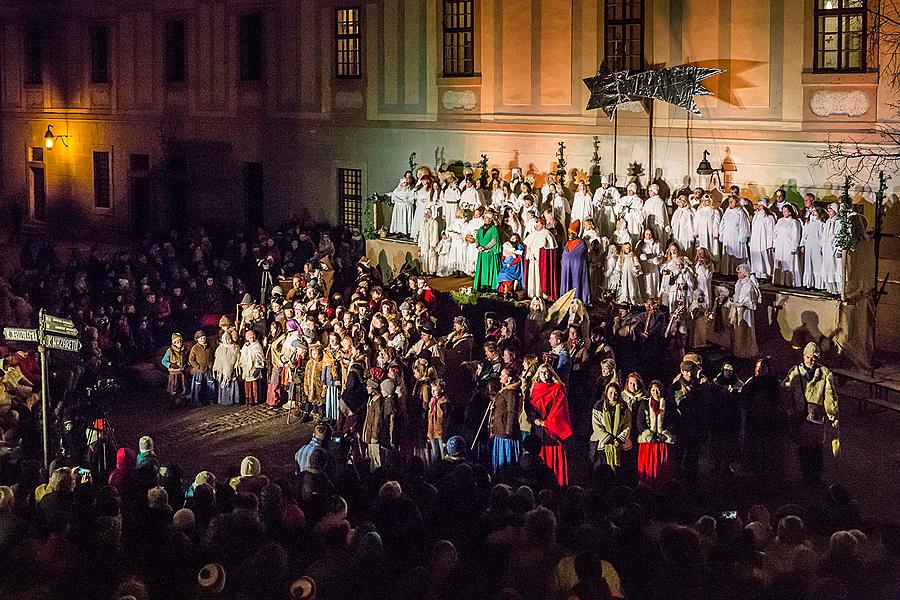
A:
(44, 385)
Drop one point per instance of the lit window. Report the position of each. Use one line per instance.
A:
(840, 35)
(347, 43)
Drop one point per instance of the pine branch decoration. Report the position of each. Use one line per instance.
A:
(561, 160)
(844, 237)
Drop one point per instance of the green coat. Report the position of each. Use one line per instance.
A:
(820, 390)
(488, 265)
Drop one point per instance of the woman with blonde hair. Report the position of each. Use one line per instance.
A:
(549, 418)
(682, 224)
(626, 274)
(706, 226)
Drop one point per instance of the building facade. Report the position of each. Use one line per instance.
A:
(168, 112)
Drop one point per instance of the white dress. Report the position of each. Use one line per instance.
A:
(631, 208)
(787, 258)
(470, 199)
(423, 201)
(450, 200)
(561, 208)
(683, 230)
(605, 200)
(675, 285)
(657, 218)
(627, 275)
(832, 269)
(428, 240)
(706, 224)
(762, 237)
(811, 241)
(582, 209)
(704, 282)
(402, 214)
(472, 228)
(734, 233)
(649, 253)
(457, 233)
(444, 259)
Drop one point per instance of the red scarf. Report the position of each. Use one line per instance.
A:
(550, 400)
(654, 406)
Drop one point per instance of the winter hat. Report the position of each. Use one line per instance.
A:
(211, 579)
(833, 206)
(303, 589)
(456, 446)
(225, 322)
(250, 467)
(145, 444)
(318, 460)
(604, 180)
(653, 188)
(176, 336)
(199, 334)
(811, 349)
(183, 519)
(390, 489)
(205, 477)
(388, 387)
(246, 300)
(292, 325)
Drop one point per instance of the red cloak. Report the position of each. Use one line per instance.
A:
(550, 399)
(549, 269)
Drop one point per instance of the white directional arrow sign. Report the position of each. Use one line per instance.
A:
(56, 342)
(17, 334)
(59, 325)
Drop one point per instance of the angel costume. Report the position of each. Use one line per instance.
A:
(657, 216)
(811, 241)
(741, 313)
(706, 224)
(470, 199)
(649, 253)
(683, 230)
(606, 197)
(561, 208)
(471, 231)
(832, 270)
(626, 275)
(677, 284)
(450, 199)
(404, 209)
(428, 241)
(456, 232)
(582, 209)
(734, 233)
(631, 208)
(762, 237)
(788, 232)
(423, 202)
(444, 260)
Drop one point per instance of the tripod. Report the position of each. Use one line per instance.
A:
(265, 284)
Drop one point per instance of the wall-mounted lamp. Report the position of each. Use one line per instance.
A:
(50, 138)
(709, 175)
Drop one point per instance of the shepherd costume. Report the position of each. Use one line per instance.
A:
(542, 266)
(549, 403)
(487, 239)
(175, 361)
(575, 267)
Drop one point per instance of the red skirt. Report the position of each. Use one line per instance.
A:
(555, 457)
(652, 459)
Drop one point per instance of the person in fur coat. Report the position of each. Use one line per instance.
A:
(252, 366)
(175, 360)
(225, 368)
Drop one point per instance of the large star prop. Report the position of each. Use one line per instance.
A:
(675, 85)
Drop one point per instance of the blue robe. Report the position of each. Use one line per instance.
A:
(575, 272)
(511, 268)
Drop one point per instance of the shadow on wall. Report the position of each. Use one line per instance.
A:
(724, 85)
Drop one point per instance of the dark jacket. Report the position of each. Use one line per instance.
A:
(505, 416)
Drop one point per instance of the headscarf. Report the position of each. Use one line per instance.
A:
(550, 399)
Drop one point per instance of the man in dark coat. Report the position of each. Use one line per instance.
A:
(691, 402)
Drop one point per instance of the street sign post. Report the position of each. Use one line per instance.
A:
(60, 326)
(17, 334)
(55, 342)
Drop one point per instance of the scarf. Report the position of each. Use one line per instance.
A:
(654, 405)
(550, 399)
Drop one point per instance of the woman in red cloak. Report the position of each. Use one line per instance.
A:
(549, 417)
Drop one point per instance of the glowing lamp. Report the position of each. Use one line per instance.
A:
(50, 138)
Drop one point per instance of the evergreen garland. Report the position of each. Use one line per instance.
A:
(368, 214)
(844, 237)
(412, 163)
(561, 162)
(483, 166)
(595, 158)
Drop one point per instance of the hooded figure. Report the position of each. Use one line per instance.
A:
(125, 464)
(575, 266)
(741, 311)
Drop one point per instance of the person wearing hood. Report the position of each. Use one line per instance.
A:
(225, 367)
(724, 410)
(605, 199)
(251, 478)
(126, 460)
(175, 361)
(741, 311)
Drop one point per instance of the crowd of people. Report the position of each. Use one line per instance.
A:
(553, 455)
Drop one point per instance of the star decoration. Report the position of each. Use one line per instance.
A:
(675, 85)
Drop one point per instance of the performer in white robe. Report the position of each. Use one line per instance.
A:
(496, 195)
(741, 311)
(704, 269)
(560, 205)
(457, 233)
(706, 224)
(649, 253)
(787, 248)
(546, 190)
(404, 209)
(678, 281)
(423, 201)
(832, 268)
(620, 234)
(612, 261)
(471, 232)
(540, 238)
(470, 199)
(516, 181)
(631, 208)
(734, 235)
(444, 259)
(762, 241)
(606, 197)
(682, 225)
(450, 199)
(582, 207)
(656, 215)
(627, 276)
(811, 248)
(428, 241)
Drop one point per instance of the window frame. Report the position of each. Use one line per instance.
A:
(623, 23)
(178, 63)
(109, 179)
(347, 37)
(33, 57)
(840, 12)
(457, 30)
(251, 65)
(100, 73)
(344, 198)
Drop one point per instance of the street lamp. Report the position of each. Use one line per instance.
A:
(50, 137)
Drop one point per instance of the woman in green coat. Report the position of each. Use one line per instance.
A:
(487, 267)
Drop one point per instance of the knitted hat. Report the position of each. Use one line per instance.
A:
(225, 322)
(456, 446)
(811, 349)
(176, 336)
(250, 467)
(211, 579)
(145, 444)
(833, 206)
(199, 334)
(205, 477)
(388, 387)
(183, 519)
(303, 589)
(246, 300)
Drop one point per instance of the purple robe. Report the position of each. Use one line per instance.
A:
(575, 272)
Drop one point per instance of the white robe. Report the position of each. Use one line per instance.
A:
(683, 230)
(762, 237)
(605, 201)
(428, 241)
(787, 257)
(657, 218)
(811, 241)
(450, 200)
(734, 233)
(444, 259)
(561, 208)
(627, 276)
(472, 227)
(470, 199)
(704, 282)
(675, 285)
(404, 209)
(457, 232)
(832, 269)
(706, 224)
(423, 201)
(533, 245)
(631, 208)
(582, 209)
(650, 255)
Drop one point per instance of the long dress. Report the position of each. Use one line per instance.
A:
(741, 316)
(404, 210)
(450, 199)
(575, 270)
(831, 262)
(787, 258)
(458, 247)
(631, 208)
(540, 247)
(471, 231)
(683, 230)
(762, 237)
(605, 200)
(734, 233)
(487, 266)
(649, 253)
(428, 241)
(704, 275)
(811, 240)
(512, 265)
(422, 197)
(225, 373)
(627, 276)
(657, 218)
(582, 209)
(331, 378)
(706, 223)
(444, 264)
(551, 406)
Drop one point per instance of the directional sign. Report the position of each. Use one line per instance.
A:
(59, 325)
(60, 343)
(16, 334)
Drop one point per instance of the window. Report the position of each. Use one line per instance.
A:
(99, 54)
(36, 154)
(34, 60)
(347, 43)
(174, 57)
(251, 47)
(350, 196)
(624, 35)
(101, 180)
(459, 38)
(840, 36)
(37, 185)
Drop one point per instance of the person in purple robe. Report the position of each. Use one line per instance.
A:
(575, 266)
